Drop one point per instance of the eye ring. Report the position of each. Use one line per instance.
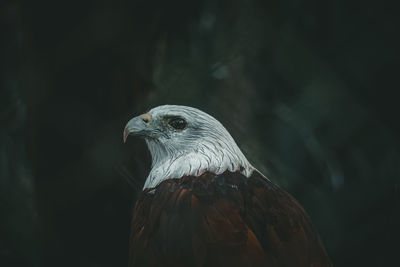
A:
(177, 123)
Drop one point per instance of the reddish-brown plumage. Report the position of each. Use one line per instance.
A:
(224, 220)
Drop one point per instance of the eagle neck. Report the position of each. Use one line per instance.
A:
(207, 156)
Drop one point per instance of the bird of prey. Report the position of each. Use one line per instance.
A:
(204, 204)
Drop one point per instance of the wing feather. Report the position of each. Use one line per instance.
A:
(225, 220)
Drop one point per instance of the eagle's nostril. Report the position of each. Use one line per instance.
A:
(146, 118)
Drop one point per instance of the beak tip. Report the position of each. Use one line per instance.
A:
(125, 135)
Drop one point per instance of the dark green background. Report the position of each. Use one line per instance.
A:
(307, 88)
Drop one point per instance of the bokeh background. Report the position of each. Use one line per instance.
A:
(307, 88)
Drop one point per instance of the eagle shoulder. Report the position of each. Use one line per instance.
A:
(222, 220)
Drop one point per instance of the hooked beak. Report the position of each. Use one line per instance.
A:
(138, 126)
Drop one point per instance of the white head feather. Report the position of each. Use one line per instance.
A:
(204, 145)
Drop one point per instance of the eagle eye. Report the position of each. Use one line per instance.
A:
(177, 123)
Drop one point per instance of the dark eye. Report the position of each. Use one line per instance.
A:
(178, 123)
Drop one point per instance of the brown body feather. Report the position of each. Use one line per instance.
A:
(224, 220)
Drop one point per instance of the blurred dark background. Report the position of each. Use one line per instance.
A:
(307, 88)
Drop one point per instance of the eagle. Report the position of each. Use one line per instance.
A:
(204, 204)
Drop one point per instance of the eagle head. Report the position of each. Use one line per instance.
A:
(186, 141)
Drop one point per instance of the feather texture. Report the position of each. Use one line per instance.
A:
(222, 220)
(205, 145)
